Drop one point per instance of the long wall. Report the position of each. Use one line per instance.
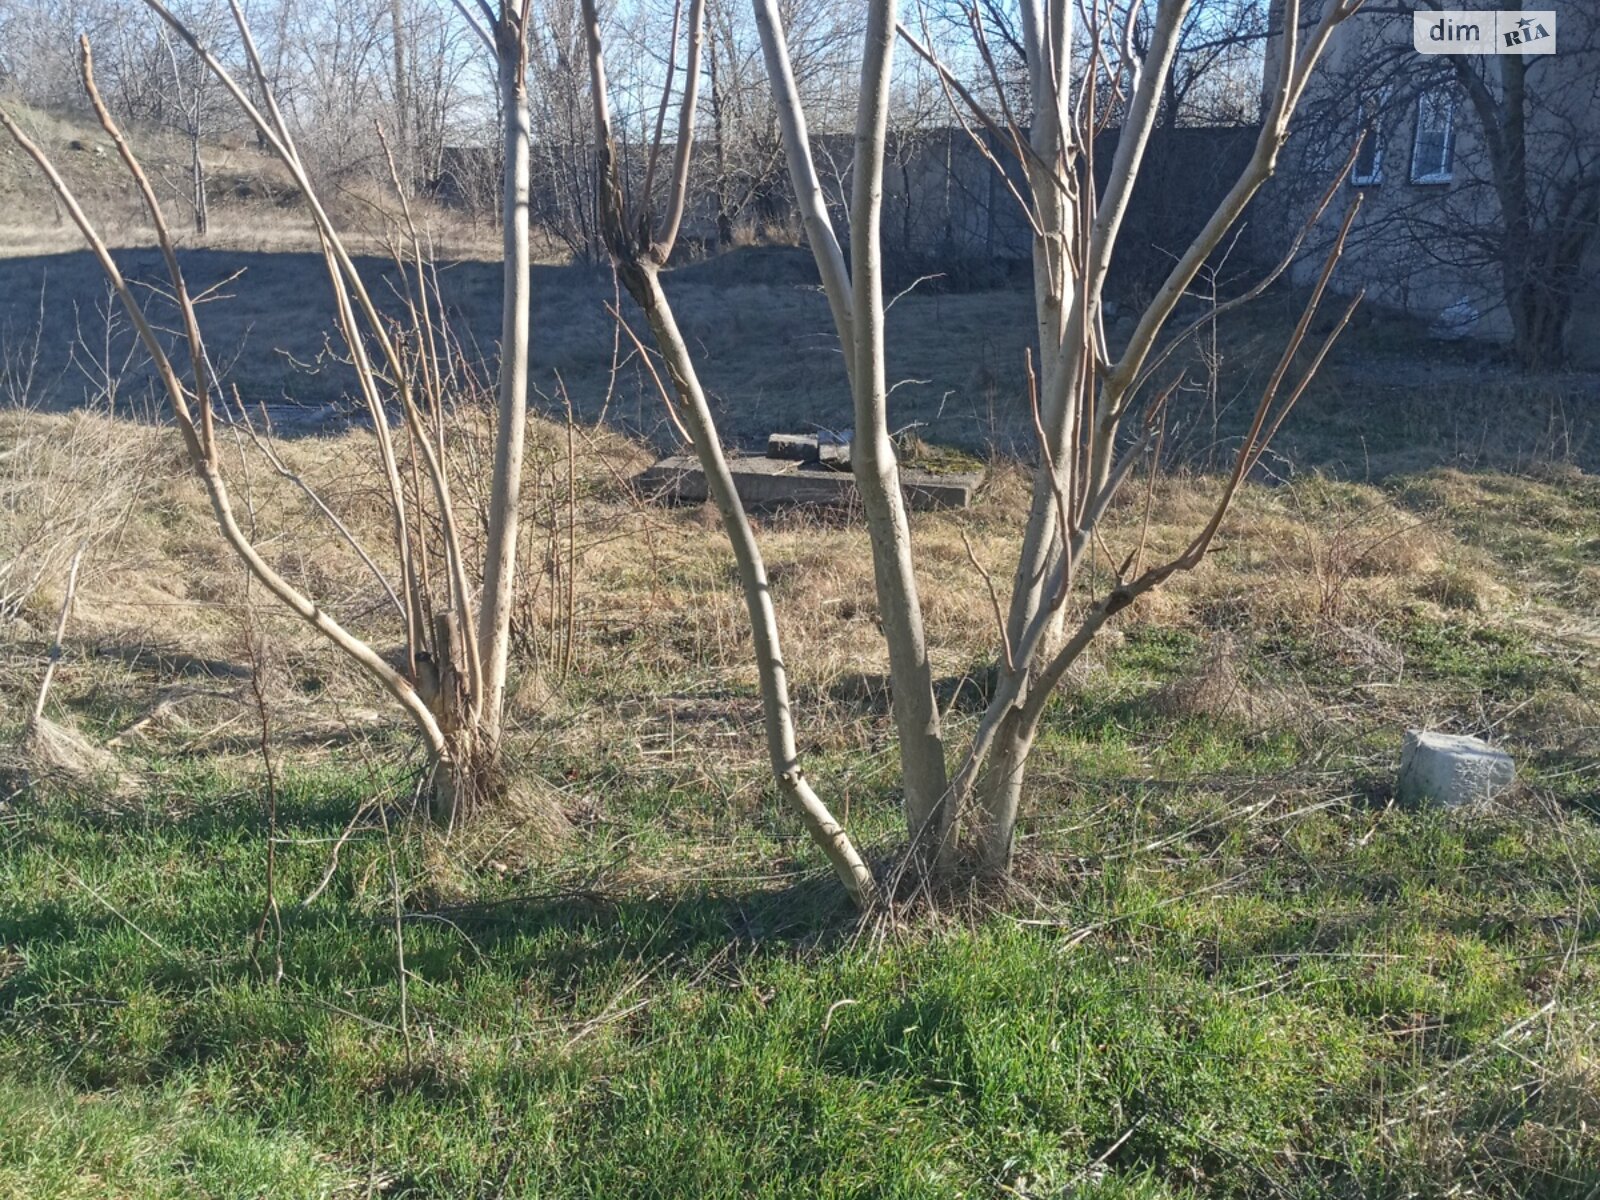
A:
(946, 207)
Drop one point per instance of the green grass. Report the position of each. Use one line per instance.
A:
(1305, 1000)
(1231, 966)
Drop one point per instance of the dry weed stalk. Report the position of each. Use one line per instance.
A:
(255, 650)
(48, 750)
(60, 636)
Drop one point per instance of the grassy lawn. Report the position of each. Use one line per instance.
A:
(1202, 993)
(1231, 965)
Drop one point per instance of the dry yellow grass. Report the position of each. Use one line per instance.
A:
(252, 203)
(661, 650)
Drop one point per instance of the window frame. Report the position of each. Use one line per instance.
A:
(1445, 99)
(1375, 139)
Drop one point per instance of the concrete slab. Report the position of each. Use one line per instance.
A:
(769, 483)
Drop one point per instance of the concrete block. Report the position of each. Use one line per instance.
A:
(793, 447)
(832, 449)
(771, 483)
(1449, 770)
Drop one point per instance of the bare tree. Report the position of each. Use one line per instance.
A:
(193, 110)
(1483, 174)
(1095, 415)
(567, 203)
(640, 244)
(745, 173)
(1216, 69)
(856, 301)
(450, 681)
(403, 52)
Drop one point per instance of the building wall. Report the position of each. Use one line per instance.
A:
(1426, 247)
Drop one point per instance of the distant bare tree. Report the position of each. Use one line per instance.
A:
(568, 204)
(744, 172)
(193, 81)
(1216, 69)
(1483, 172)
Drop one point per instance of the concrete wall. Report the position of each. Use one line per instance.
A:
(946, 208)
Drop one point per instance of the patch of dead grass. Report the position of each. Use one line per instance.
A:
(659, 615)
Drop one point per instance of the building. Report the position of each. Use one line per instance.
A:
(1480, 174)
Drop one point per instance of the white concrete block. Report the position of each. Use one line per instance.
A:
(1450, 770)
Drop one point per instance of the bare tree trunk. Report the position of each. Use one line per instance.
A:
(999, 795)
(197, 170)
(460, 777)
(57, 644)
(402, 99)
(807, 186)
(1540, 313)
(1047, 36)
(877, 471)
(500, 561)
(638, 252)
(191, 119)
(856, 298)
(720, 132)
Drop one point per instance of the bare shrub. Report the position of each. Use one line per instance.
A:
(450, 680)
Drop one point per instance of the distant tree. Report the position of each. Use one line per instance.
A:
(1216, 73)
(1539, 127)
(566, 200)
(190, 89)
(1216, 70)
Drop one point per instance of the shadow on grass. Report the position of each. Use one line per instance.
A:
(870, 692)
(560, 930)
(169, 661)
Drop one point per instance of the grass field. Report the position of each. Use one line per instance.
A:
(1231, 965)
(1274, 998)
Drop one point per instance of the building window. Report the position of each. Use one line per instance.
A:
(1434, 154)
(1367, 171)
